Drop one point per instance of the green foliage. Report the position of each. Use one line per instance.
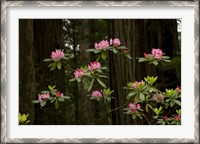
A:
(23, 119)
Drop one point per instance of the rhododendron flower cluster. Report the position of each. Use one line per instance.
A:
(96, 93)
(57, 55)
(115, 42)
(102, 45)
(157, 97)
(157, 53)
(165, 118)
(146, 55)
(134, 107)
(177, 117)
(94, 65)
(178, 89)
(42, 97)
(78, 73)
(59, 94)
(135, 86)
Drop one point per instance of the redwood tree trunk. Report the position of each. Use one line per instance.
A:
(26, 69)
(139, 36)
(48, 35)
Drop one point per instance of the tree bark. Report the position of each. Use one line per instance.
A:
(138, 36)
(27, 90)
(48, 35)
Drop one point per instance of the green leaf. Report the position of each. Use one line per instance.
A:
(101, 83)
(90, 50)
(141, 60)
(51, 88)
(92, 98)
(142, 97)
(104, 55)
(167, 60)
(114, 51)
(61, 99)
(57, 104)
(46, 60)
(177, 102)
(59, 65)
(136, 99)
(43, 103)
(99, 70)
(44, 91)
(128, 56)
(35, 101)
(155, 62)
(66, 97)
(73, 79)
(121, 47)
(103, 68)
(53, 100)
(131, 94)
(96, 51)
(78, 79)
(91, 84)
(147, 108)
(167, 100)
(165, 57)
(102, 76)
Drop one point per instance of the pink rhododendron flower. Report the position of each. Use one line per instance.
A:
(94, 65)
(96, 93)
(115, 42)
(59, 94)
(158, 97)
(165, 118)
(178, 89)
(79, 73)
(157, 53)
(155, 97)
(125, 51)
(102, 45)
(134, 107)
(44, 96)
(177, 117)
(57, 55)
(138, 106)
(146, 54)
(135, 86)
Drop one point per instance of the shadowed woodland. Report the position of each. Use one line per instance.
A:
(39, 37)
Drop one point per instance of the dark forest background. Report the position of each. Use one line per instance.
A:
(39, 37)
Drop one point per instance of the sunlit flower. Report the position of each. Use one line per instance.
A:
(96, 93)
(102, 45)
(94, 65)
(79, 73)
(157, 53)
(57, 55)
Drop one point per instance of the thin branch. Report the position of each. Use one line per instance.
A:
(146, 119)
(117, 108)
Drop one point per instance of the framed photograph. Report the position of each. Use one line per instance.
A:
(99, 72)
